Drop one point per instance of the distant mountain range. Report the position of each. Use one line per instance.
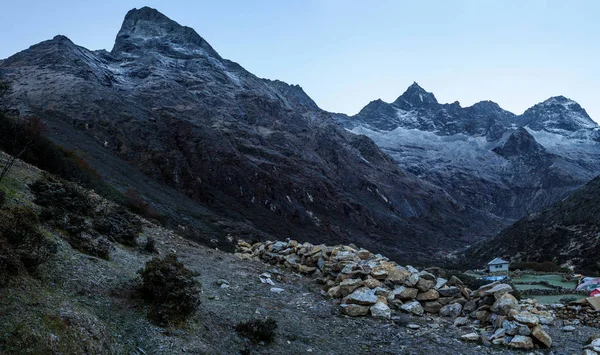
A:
(502, 164)
(221, 151)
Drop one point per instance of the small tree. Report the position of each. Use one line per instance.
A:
(25, 134)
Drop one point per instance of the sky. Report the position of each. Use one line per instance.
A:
(346, 53)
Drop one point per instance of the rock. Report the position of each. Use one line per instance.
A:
(511, 327)
(372, 283)
(451, 310)
(412, 280)
(425, 284)
(595, 342)
(427, 276)
(470, 306)
(461, 321)
(527, 319)
(482, 316)
(405, 293)
(440, 282)
(432, 307)
(568, 328)
(470, 337)
(349, 285)
(334, 292)
(451, 291)
(589, 352)
(354, 310)
(500, 290)
(455, 281)
(364, 254)
(397, 276)
(499, 333)
(307, 269)
(430, 295)
(278, 246)
(524, 330)
(362, 296)
(540, 334)
(381, 310)
(413, 307)
(505, 303)
(521, 342)
(413, 326)
(276, 290)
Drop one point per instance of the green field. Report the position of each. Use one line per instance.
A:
(555, 280)
(553, 298)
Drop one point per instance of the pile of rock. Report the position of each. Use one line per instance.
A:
(580, 312)
(370, 284)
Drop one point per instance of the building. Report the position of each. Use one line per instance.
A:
(498, 265)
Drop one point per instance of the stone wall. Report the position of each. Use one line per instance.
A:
(367, 284)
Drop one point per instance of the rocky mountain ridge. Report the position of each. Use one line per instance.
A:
(500, 163)
(566, 233)
(245, 155)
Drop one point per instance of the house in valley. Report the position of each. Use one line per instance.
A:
(498, 265)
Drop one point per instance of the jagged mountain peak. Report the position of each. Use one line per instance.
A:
(557, 113)
(416, 96)
(148, 28)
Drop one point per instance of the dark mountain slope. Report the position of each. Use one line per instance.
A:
(255, 154)
(568, 233)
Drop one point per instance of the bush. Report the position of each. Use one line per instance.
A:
(150, 245)
(170, 288)
(119, 225)
(258, 330)
(61, 196)
(90, 244)
(136, 204)
(23, 246)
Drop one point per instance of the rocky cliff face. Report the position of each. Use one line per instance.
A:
(483, 156)
(255, 154)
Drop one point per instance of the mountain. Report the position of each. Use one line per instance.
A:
(504, 165)
(220, 151)
(565, 233)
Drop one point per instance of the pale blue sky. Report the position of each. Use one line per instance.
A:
(345, 53)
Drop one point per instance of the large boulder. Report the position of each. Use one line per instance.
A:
(381, 310)
(540, 334)
(432, 307)
(405, 293)
(413, 307)
(521, 342)
(451, 310)
(362, 296)
(354, 310)
(430, 295)
(527, 319)
(505, 303)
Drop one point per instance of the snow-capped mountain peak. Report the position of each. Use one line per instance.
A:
(148, 28)
(557, 114)
(415, 96)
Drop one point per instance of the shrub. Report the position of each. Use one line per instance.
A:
(23, 246)
(119, 225)
(136, 204)
(170, 288)
(150, 245)
(258, 330)
(90, 244)
(61, 196)
(546, 266)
